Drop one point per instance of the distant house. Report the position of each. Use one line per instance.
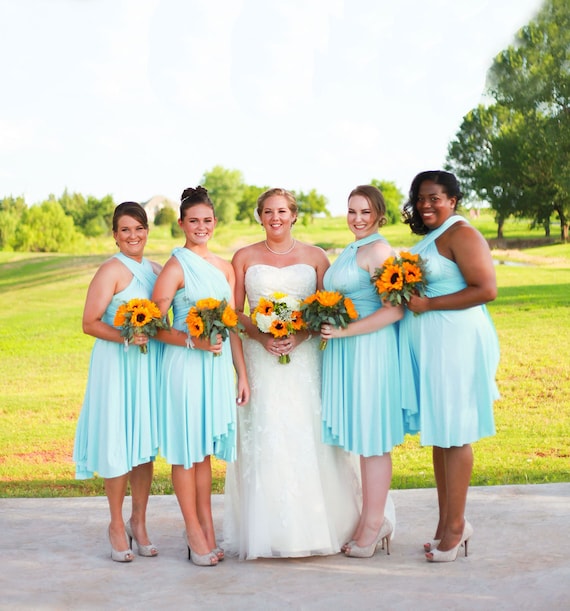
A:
(156, 203)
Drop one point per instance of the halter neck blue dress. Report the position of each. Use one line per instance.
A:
(197, 391)
(361, 396)
(448, 359)
(117, 427)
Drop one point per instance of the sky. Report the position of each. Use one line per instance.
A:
(137, 98)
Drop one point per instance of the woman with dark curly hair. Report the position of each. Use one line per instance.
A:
(449, 354)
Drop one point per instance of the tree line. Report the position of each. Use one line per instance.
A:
(514, 152)
(59, 224)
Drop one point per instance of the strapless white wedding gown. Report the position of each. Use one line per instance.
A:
(287, 494)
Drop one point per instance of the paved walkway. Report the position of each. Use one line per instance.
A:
(54, 555)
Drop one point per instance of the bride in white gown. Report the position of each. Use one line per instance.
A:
(287, 494)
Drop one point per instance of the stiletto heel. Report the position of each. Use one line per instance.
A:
(451, 554)
(149, 550)
(383, 536)
(209, 559)
(125, 556)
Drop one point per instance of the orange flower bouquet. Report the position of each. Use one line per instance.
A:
(401, 277)
(212, 317)
(328, 307)
(279, 315)
(139, 317)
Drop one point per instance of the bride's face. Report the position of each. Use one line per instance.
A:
(361, 217)
(276, 216)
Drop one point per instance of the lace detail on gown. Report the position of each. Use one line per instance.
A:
(288, 494)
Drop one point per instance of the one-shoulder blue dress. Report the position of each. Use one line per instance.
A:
(197, 391)
(448, 359)
(361, 395)
(117, 427)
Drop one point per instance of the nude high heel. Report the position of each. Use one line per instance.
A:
(431, 545)
(149, 550)
(124, 556)
(383, 536)
(450, 555)
(209, 559)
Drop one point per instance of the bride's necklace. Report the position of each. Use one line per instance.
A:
(285, 252)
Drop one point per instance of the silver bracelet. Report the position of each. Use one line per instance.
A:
(189, 343)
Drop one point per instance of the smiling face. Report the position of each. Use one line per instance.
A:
(434, 205)
(131, 236)
(276, 216)
(361, 217)
(198, 224)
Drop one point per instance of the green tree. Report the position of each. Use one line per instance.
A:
(225, 188)
(92, 216)
(46, 228)
(248, 202)
(311, 204)
(393, 197)
(11, 211)
(165, 216)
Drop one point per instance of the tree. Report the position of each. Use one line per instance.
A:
(248, 202)
(310, 204)
(46, 228)
(225, 188)
(165, 216)
(93, 217)
(11, 211)
(393, 197)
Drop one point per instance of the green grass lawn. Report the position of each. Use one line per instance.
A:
(45, 357)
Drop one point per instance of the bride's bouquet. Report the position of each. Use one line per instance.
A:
(327, 307)
(212, 317)
(400, 277)
(279, 315)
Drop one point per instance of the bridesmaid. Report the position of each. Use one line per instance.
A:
(197, 395)
(449, 354)
(361, 395)
(117, 429)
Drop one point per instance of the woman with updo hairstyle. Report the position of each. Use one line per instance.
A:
(116, 433)
(449, 351)
(362, 410)
(198, 393)
(287, 494)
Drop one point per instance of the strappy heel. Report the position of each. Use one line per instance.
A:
(451, 554)
(383, 536)
(149, 550)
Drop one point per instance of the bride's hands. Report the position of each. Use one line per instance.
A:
(280, 345)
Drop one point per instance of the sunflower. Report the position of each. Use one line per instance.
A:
(195, 326)
(350, 309)
(229, 317)
(408, 256)
(412, 273)
(297, 322)
(328, 298)
(120, 315)
(209, 303)
(310, 299)
(391, 279)
(278, 329)
(264, 306)
(140, 316)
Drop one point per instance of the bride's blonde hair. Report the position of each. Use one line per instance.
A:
(291, 201)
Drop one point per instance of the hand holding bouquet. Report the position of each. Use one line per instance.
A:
(400, 277)
(212, 317)
(280, 316)
(327, 307)
(139, 317)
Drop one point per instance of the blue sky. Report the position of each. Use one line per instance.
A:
(140, 97)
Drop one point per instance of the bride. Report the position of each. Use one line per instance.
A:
(288, 494)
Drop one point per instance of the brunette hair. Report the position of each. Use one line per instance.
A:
(375, 198)
(450, 186)
(132, 209)
(191, 197)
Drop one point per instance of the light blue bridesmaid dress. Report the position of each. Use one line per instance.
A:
(361, 394)
(117, 427)
(197, 390)
(448, 359)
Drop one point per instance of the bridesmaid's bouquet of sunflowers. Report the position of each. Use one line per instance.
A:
(139, 317)
(279, 315)
(400, 277)
(327, 307)
(212, 317)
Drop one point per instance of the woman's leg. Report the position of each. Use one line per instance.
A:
(141, 480)
(204, 500)
(184, 482)
(376, 480)
(115, 489)
(458, 468)
(440, 482)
